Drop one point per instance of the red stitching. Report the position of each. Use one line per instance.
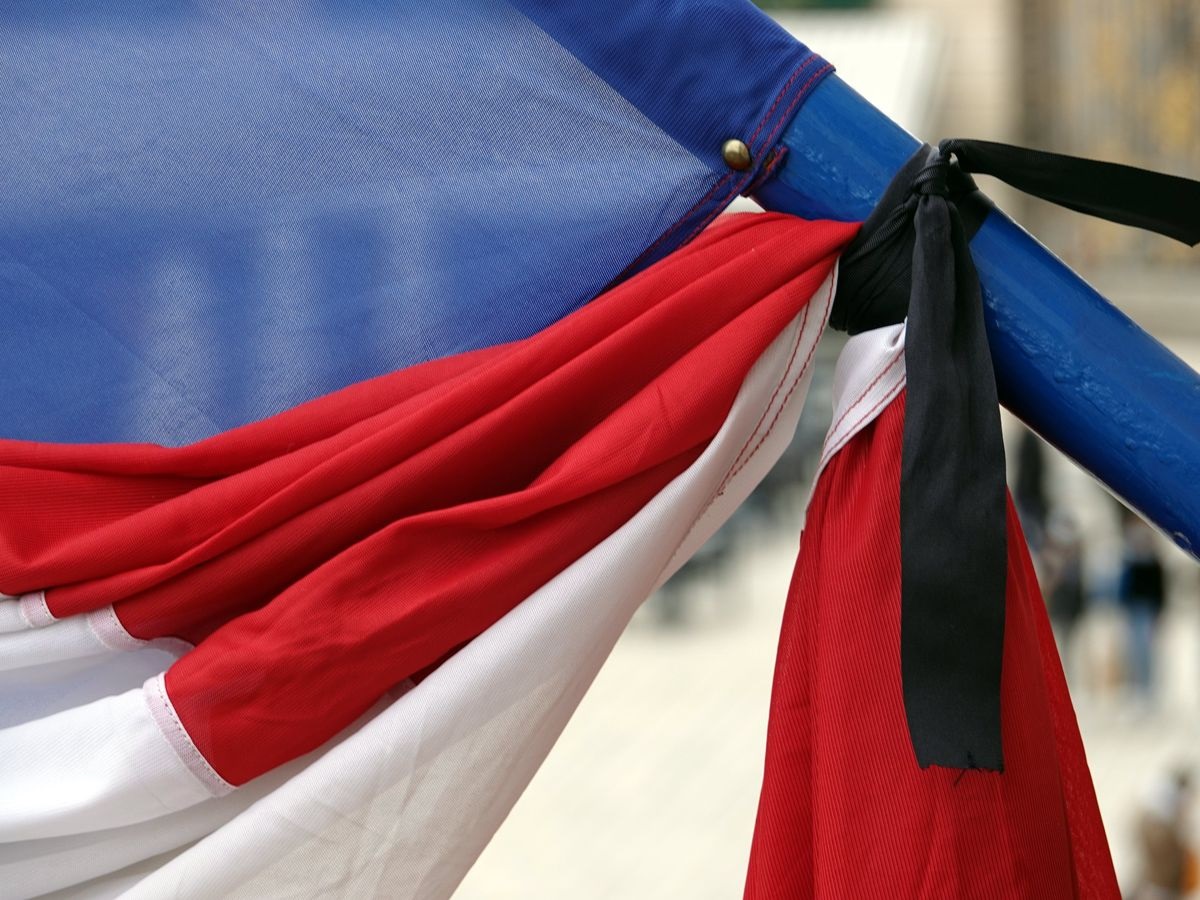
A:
(866, 390)
(736, 188)
(887, 398)
(769, 166)
(800, 95)
(787, 396)
(679, 222)
(730, 474)
(716, 212)
(779, 97)
(747, 178)
(778, 387)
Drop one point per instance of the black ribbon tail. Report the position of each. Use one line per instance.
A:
(912, 258)
(1165, 204)
(953, 550)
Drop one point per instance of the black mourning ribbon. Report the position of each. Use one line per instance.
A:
(912, 258)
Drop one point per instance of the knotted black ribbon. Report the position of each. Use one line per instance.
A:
(912, 258)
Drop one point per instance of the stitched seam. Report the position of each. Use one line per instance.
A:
(779, 97)
(104, 624)
(729, 473)
(179, 740)
(778, 387)
(704, 222)
(717, 494)
(778, 412)
(738, 185)
(749, 176)
(797, 100)
(839, 438)
(680, 222)
(34, 611)
(883, 401)
(23, 613)
(849, 409)
(772, 162)
(728, 477)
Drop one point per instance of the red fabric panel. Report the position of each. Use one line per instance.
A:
(326, 554)
(845, 810)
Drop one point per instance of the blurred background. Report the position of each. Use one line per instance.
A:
(652, 790)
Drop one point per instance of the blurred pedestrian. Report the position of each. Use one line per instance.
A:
(1063, 580)
(1168, 863)
(1029, 489)
(1142, 593)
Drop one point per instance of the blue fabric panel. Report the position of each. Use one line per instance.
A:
(211, 211)
(701, 70)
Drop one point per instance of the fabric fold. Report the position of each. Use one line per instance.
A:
(322, 566)
(423, 785)
(607, 448)
(835, 781)
(912, 260)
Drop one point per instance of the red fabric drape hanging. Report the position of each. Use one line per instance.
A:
(845, 809)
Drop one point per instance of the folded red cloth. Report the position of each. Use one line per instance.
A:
(324, 555)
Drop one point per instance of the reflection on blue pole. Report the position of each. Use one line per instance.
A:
(1071, 365)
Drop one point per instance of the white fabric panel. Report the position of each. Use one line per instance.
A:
(31, 868)
(10, 615)
(113, 885)
(69, 639)
(403, 808)
(97, 766)
(868, 376)
(34, 867)
(49, 666)
(25, 611)
(41, 690)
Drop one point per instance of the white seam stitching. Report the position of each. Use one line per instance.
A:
(110, 632)
(181, 743)
(23, 614)
(32, 608)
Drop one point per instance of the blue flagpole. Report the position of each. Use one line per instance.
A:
(1068, 363)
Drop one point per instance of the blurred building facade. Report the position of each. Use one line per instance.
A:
(1112, 79)
(1115, 79)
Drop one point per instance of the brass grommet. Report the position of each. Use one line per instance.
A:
(736, 154)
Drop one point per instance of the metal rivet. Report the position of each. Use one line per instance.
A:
(736, 154)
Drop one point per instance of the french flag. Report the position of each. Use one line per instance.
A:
(365, 366)
(331, 648)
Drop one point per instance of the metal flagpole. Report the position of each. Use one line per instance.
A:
(1070, 364)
